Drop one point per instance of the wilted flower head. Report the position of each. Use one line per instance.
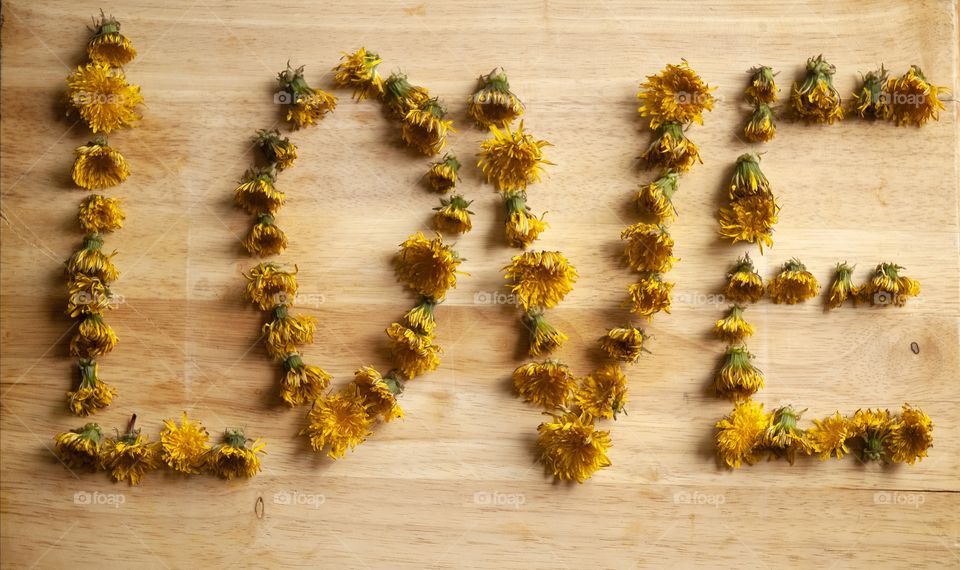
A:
(102, 97)
(793, 284)
(98, 166)
(493, 103)
(912, 99)
(305, 105)
(521, 227)
(512, 159)
(816, 99)
(650, 295)
(671, 149)
(401, 96)
(428, 266)
(676, 94)
(108, 45)
(571, 449)
(358, 71)
(762, 87)
(740, 434)
(540, 278)
(425, 129)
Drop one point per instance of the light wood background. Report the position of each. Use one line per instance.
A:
(415, 495)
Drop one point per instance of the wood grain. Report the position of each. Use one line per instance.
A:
(415, 494)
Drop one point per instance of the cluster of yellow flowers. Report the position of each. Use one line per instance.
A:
(99, 94)
(761, 93)
(752, 210)
(885, 287)
(749, 433)
(183, 448)
(906, 100)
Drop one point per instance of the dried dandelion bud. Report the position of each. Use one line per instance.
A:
(733, 328)
(544, 337)
(912, 99)
(521, 227)
(512, 159)
(744, 284)
(93, 394)
(285, 333)
(870, 101)
(130, 456)
(278, 150)
(625, 344)
(358, 71)
(337, 423)
(378, 393)
(783, 437)
(650, 295)
(93, 338)
(493, 103)
(656, 198)
(540, 278)
(428, 266)
(98, 166)
(828, 437)
(108, 45)
(842, 287)
(671, 149)
(265, 238)
(232, 458)
(870, 429)
(92, 262)
(761, 126)
(424, 128)
(99, 214)
(911, 436)
(816, 99)
(102, 97)
(748, 179)
(453, 215)
(762, 87)
(444, 174)
(793, 284)
(401, 97)
(302, 383)
(420, 318)
(80, 448)
(888, 287)
(603, 393)
(305, 105)
(268, 286)
(750, 219)
(737, 377)
(413, 352)
(184, 447)
(256, 192)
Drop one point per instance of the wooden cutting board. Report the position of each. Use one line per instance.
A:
(455, 484)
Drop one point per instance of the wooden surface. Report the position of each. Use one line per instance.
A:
(418, 493)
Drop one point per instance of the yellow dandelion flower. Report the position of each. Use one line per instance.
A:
(544, 337)
(401, 96)
(548, 384)
(301, 382)
(94, 337)
(733, 328)
(842, 287)
(671, 149)
(305, 105)
(444, 174)
(888, 287)
(911, 437)
(870, 101)
(102, 97)
(740, 435)
(358, 71)
(748, 179)
(540, 278)
(130, 457)
(413, 353)
(676, 94)
(793, 284)
(816, 99)
(912, 100)
(783, 438)
(625, 344)
(649, 247)
(184, 447)
(872, 428)
(285, 333)
(88, 296)
(278, 150)
(232, 458)
(108, 45)
(98, 166)
(93, 394)
(761, 126)
(650, 295)
(338, 422)
(378, 393)
(91, 261)
(750, 219)
(453, 215)
(80, 448)
(265, 238)
(424, 128)
(603, 392)
(428, 266)
(268, 286)
(737, 377)
(420, 318)
(256, 193)
(762, 88)
(571, 449)
(99, 214)
(511, 159)
(521, 227)
(829, 437)
(656, 198)
(493, 103)
(744, 284)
